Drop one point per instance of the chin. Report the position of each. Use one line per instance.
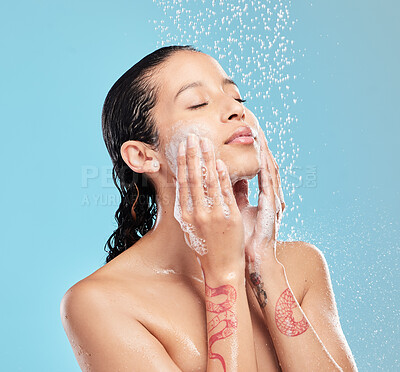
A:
(244, 166)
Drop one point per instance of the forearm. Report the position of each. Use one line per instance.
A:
(297, 345)
(229, 328)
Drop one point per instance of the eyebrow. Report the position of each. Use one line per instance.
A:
(195, 84)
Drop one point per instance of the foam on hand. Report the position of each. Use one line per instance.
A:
(182, 130)
(266, 227)
(266, 216)
(191, 238)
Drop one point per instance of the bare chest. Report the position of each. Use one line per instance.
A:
(175, 315)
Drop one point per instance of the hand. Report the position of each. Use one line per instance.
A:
(209, 215)
(262, 222)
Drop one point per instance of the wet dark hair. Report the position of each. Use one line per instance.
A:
(127, 116)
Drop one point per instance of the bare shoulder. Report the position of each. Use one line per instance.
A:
(88, 290)
(101, 323)
(304, 260)
(297, 250)
(79, 309)
(303, 263)
(82, 303)
(106, 287)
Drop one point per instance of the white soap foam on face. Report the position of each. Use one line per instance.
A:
(182, 129)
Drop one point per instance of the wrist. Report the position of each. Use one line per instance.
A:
(262, 278)
(222, 267)
(265, 269)
(215, 275)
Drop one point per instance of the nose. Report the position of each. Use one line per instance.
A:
(232, 110)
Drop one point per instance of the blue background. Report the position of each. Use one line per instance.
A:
(58, 61)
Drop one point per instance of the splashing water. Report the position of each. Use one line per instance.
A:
(251, 40)
(253, 43)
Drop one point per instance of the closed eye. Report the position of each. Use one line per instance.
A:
(198, 106)
(206, 103)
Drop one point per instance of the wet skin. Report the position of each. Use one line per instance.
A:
(158, 282)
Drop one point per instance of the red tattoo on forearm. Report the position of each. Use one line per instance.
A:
(284, 316)
(224, 314)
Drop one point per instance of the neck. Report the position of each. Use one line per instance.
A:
(164, 246)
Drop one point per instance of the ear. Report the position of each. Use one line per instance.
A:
(139, 157)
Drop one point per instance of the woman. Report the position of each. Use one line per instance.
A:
(206, 287)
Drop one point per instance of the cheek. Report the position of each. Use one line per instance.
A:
(179, 132)
(242, 161)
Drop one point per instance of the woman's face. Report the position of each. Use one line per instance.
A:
(196, 96)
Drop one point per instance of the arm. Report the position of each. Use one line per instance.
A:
(229, 328)
(104, 342)
(292, 328)
(307, 337)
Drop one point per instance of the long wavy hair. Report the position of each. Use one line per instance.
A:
(127, 115)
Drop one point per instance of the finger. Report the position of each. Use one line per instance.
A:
(274, 170)
(225, 182)
(280, 194)
(194, 170)
(276, 180)
(271, 166)
(263, 174)
(213, 188)
(182, 179)
(279, 183)
(265, 184)
(275, 163)
(267, 207)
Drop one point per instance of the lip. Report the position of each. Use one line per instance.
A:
(243, 131)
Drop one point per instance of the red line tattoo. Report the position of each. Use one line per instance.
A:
(284, 316)
(224, 314)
